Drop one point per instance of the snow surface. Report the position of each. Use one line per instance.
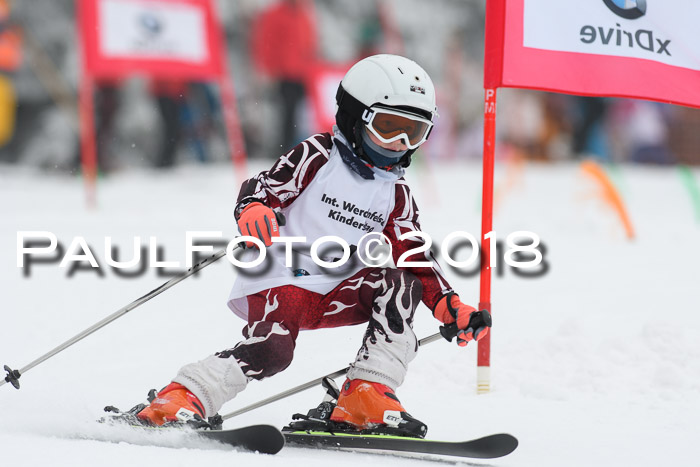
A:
(595, 363)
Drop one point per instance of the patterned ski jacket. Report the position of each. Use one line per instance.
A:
(324, 189)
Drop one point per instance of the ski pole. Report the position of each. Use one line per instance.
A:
(13, 375)
(448, 332)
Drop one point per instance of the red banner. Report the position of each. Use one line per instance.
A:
(322, 85)
(173, 39)
(170, 40)
(622, 48)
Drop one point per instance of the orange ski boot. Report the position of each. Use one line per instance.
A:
(174, 403)
(373, 406)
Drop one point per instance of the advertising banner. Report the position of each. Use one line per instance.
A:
(173, 39)
(626, 48)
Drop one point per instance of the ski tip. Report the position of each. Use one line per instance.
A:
(497, 445)
(266, 439)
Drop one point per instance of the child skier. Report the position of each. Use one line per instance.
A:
(344, 184)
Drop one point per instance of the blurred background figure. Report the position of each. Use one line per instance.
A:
(10, 61)
(200, 117)
(188, 111)
(589, 137)
(284, 48)
(170, 98)
(648, 128)
(683, 135)
(107, 102)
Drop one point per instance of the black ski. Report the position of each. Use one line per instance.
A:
(488, 447)
(261, 438)
(317, 430)
(266, 439)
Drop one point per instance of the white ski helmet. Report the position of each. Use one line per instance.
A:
(383, 81)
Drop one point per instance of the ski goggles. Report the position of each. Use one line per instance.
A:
(390, 125)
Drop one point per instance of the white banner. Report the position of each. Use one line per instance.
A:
(152, 29)
(665, 31)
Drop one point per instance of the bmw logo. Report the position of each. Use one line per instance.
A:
(150, 23)
(628, 9)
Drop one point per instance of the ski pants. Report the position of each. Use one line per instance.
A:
(385, 298)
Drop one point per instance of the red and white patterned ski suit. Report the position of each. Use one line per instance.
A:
(320, 193)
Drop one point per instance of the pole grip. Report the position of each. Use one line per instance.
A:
(449, 331)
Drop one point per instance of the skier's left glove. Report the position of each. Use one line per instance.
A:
(471, 324)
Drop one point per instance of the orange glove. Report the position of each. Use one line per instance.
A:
(471, 324)
(259, 221)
